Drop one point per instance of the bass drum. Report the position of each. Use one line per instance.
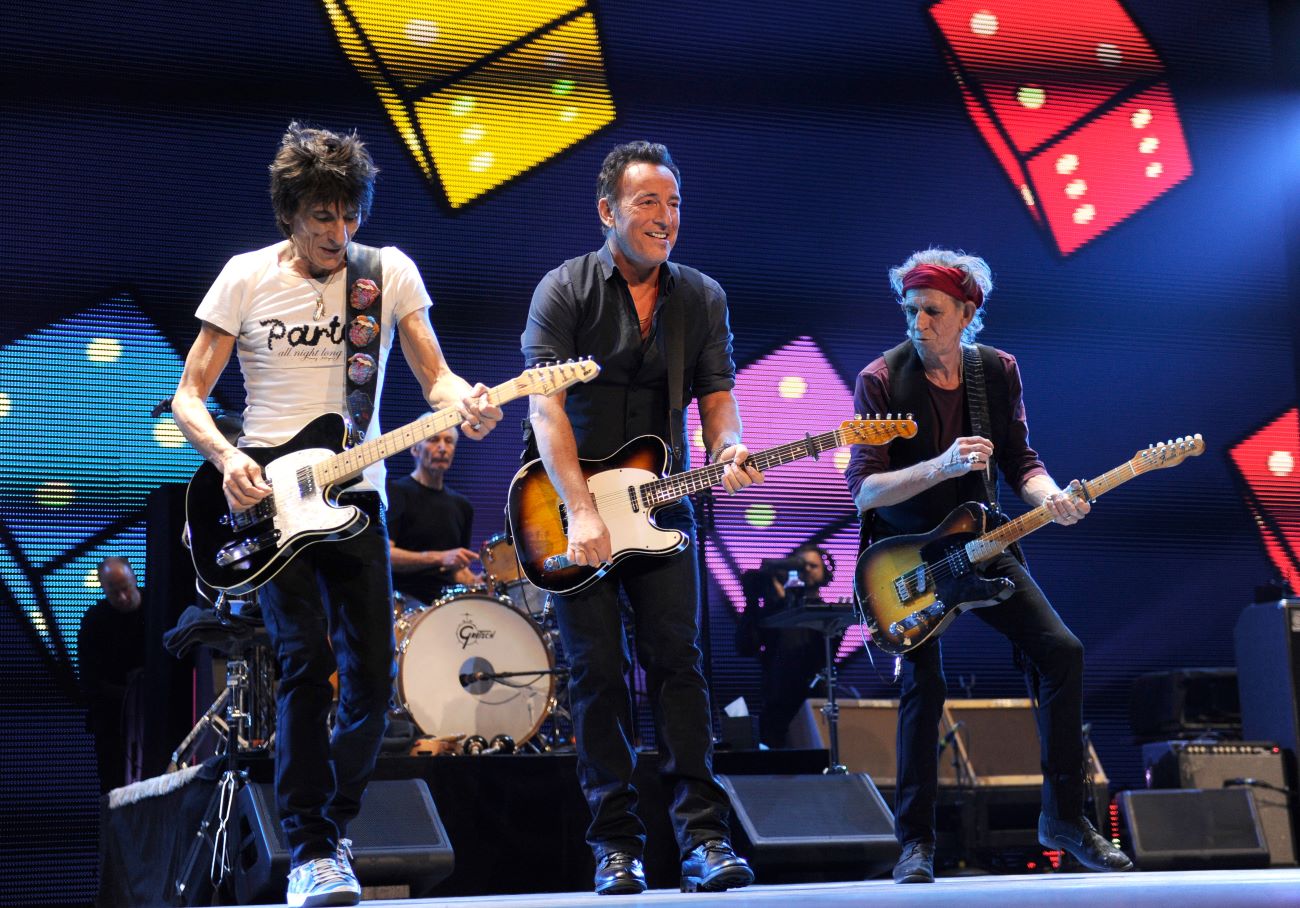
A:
(468, 632)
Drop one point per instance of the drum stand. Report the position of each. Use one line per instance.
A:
(220, 817)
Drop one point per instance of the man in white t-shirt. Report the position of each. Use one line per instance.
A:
(285, 309)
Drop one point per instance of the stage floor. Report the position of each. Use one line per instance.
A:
(1186, 889)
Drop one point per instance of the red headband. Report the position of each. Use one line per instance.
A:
(944, 279)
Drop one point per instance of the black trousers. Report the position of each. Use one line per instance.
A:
(664, 598)
(332, 606)
(1028, 620)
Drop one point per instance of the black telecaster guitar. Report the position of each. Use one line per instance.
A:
(238, 551)
(629, 486)
(912, 587)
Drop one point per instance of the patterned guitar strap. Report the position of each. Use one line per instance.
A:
(365, 281)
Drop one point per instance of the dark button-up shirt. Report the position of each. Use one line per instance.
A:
(584, 308)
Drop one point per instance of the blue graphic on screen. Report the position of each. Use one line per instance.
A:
(76, 399)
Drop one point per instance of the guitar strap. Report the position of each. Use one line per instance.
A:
(978, 401)
(674, 327)
(365, 281)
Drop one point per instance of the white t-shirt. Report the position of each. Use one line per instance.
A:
(292, 361)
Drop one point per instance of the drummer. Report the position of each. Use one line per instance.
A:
(429, 524)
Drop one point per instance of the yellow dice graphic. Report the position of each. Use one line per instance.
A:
(480, 93)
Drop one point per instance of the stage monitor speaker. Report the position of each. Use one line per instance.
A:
(1193, 829)
(812, 827)
(1225, 764)
(397, 840)
(1268, 672)
(997, 744)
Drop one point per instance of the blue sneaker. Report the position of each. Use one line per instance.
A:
(322, 882)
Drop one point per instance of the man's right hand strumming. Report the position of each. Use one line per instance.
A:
(243, 480)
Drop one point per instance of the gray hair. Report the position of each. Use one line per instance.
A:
(978, 274)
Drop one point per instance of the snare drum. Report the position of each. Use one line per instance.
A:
(499, 562)
(463, 633)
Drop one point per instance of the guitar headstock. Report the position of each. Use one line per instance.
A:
(558, 376)
(859, 431)
(1168, 453)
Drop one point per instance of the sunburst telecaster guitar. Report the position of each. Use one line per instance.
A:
(912, 587)
(238, 551)
(629, 486)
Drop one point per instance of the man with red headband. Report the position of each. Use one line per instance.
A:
(911, 485)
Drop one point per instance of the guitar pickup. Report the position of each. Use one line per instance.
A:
(235, 552)
(242, 520)
(910, 585)
(556, 563)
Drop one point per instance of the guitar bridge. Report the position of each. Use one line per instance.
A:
(556, 563)
(926, 616)
(235, 552)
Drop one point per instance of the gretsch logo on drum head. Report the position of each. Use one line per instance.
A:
(468, 632)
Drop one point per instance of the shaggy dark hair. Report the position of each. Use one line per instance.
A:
(316, 166)
(618, 160)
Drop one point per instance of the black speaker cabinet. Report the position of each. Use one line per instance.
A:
(1185, 703)
(397, 840)
(1268, 672)
(812, 827)
(1193, 829)
(1220, 764)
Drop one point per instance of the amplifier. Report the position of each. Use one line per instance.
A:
(1257, 766)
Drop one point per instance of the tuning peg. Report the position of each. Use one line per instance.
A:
(857, 416)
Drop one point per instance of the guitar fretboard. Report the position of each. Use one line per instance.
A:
(344, 466)
(994, 542)
(673, 488)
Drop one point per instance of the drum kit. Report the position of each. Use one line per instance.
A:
(479, 666)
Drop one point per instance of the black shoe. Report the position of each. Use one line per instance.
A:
(1080, 838)
(915, 864)
(619, 873)
(712, 867)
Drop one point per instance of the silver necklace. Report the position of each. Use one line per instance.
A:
(320, 295)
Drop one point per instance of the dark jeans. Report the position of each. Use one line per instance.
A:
(339, 593)
(664, 598)
(1028, 620)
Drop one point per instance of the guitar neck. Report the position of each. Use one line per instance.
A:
(678, 486)
(350, 463)
(995, 542)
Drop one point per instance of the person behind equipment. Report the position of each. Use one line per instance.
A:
(110, 657)
(429, 524)
(792, 658)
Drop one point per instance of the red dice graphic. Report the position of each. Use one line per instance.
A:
(1070, 97)
(1269, 462)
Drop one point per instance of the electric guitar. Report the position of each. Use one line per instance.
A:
(628, 487)
(238, 551)
(912, 587)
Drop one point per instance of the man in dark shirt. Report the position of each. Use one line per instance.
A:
(909, 486)
(792, 657)
(626, 305)
(110, 654)
(429, 524)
